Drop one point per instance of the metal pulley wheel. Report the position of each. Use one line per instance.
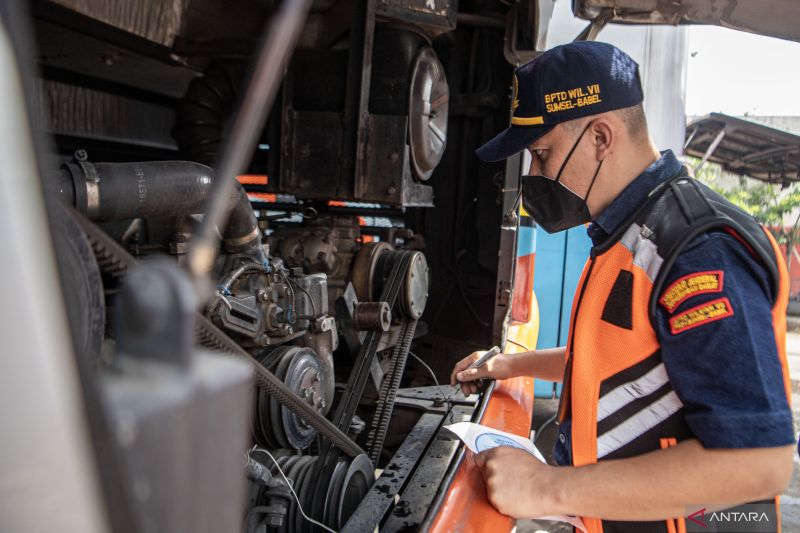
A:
(350, 482)
(344, 491)
(358, 479)
(365, 269)
(372, 266)
(276, 426)
(414, 295)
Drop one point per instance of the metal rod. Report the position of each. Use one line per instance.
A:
(691, 137)
(710, 151)
(273, 57)
(594, 28)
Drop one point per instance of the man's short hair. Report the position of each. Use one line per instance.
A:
(635, 120)
(633, 117)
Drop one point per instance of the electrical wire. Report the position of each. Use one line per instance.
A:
(448, 399)
(290, 317)
(296, 499)
(433, 375)
(542, 426)
(310, 299)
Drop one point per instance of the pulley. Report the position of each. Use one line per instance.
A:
(275, 426)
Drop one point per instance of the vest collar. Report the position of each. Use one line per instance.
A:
(619, 210)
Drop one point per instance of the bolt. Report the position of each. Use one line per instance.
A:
(307, 392)
(316, 375)
(264, 339)
(262, 295)
(322, 403)
(391, 189)
(81, 155)
(393, 157)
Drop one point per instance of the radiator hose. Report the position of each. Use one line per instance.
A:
(120, 191)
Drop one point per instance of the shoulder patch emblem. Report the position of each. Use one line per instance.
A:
(702, 314)
(691, 285)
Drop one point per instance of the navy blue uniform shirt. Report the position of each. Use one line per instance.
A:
(727, 372)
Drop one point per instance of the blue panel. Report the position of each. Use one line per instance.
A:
(547, 284)
(548, 280)
(542, 388)
(559, 262)
(577, 252)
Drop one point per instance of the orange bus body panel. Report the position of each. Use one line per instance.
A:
(466, 508)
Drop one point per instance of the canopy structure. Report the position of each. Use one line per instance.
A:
(745, 148)
(776, 18)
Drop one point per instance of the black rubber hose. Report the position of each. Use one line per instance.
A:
(202, 113)
(119, 191)
(140, 189)
(242, 232)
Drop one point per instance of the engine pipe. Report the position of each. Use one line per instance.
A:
(119, 191)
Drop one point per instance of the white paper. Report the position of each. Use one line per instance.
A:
(480, 438)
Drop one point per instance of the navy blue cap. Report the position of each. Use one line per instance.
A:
(564, 83)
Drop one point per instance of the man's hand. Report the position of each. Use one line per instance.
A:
(516, 481)
(498, 367)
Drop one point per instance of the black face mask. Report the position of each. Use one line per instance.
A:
(551, 204)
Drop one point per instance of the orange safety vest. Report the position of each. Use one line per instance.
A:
(613, 354)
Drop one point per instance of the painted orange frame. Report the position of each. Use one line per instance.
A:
(465, 508)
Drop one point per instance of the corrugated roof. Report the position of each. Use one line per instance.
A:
(745, 147)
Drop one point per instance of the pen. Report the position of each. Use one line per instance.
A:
(482, 360)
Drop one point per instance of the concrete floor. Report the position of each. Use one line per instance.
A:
(790, 501)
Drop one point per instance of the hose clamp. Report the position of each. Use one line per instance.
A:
(237, 242)
(92, 184)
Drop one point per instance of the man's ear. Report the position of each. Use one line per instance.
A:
(602, 136)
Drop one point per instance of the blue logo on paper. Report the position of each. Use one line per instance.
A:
(487, 441)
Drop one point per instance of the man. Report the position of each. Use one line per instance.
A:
(676, 387)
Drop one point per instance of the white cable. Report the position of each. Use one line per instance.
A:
(299, 507)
